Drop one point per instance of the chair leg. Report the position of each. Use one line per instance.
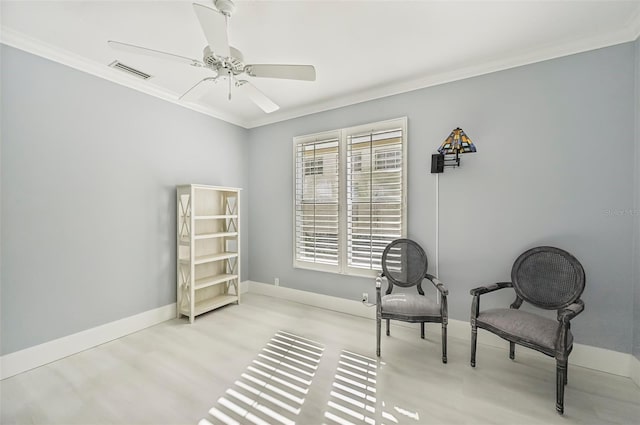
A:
(378, 326)
(444, 343)
(422, 330)
(561, 373)
(474, 340)
(388, 320)
(512, 350)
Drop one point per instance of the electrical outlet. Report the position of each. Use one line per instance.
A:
(276, 281)
(365, 297)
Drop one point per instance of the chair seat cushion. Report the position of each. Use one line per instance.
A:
(411, 305)
(534, 329)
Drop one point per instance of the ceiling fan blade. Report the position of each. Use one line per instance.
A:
(257, 96)
(130, 48)
(214, 26)
(197, 91)
(291, 72)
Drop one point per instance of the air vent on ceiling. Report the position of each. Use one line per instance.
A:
(132, 71)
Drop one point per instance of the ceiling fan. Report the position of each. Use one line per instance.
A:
(224, 60)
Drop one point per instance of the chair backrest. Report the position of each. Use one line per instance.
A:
(404, 263)
(548, 277)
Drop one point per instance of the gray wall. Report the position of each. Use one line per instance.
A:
(636, 257)
(89, 170)
(89, 167)
(551, 169)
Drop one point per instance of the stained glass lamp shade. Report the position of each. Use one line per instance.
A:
(457, 142)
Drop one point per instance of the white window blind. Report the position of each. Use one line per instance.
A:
(317, 201)
(374, 195)
(350, 196)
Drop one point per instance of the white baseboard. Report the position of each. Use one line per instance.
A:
(635, 370)
(244, 287)
(327, 302)
(11, 364)
(587, 356)
(20, 361)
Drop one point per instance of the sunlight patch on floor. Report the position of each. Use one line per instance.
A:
(273, 388)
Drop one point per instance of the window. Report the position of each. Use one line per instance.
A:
(313, 166)
(350, 196)
(316, 207)
(356, 162)
(374, 196)
(389, 159)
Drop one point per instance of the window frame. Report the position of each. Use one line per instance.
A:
(342, 135)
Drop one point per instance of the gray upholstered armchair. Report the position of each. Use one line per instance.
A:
(404, 263)
(545, 277)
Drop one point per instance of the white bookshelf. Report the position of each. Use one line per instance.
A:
(208, 248)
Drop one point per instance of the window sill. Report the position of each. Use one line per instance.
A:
(334, 270)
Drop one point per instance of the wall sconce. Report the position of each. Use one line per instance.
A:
(457, 143)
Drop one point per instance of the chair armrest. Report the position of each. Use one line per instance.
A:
(379, 288)
(439, 285)
(566, 314)
(379, 282)
(379, 295)
(486, 289)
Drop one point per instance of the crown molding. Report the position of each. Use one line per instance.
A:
(37, 47)
(628, 32)
(625, 34)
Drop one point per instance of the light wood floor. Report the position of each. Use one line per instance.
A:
(274, 361)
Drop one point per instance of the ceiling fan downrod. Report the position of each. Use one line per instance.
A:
(226, 7)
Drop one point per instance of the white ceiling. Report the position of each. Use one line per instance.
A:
(361, 49)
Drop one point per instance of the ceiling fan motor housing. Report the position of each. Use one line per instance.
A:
(233, 63)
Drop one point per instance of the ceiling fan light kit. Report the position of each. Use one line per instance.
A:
(223, 60)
